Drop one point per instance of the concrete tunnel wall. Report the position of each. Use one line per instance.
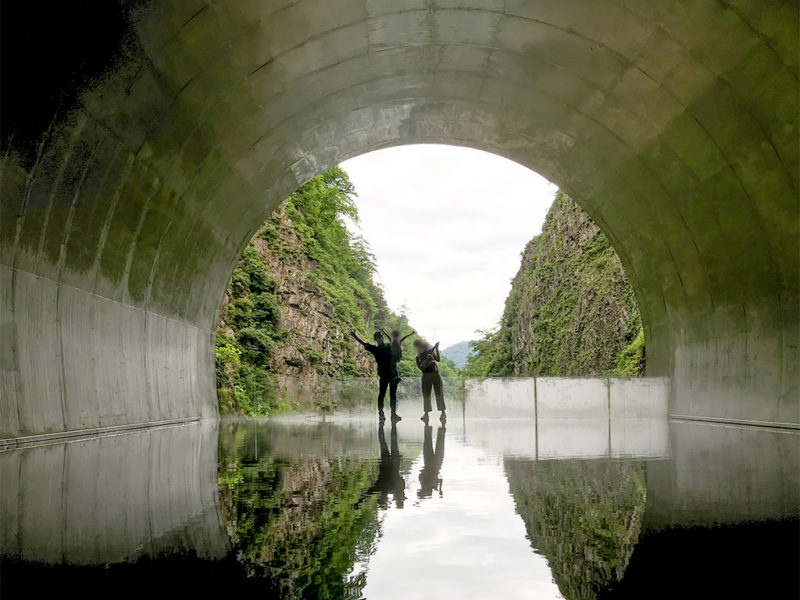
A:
(154, 137)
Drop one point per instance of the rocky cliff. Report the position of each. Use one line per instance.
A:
(302, 284)
(314, 338)
(571, 310)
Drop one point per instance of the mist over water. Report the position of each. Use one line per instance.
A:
(547, 488)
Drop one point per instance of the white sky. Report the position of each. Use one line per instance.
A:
(447, 226)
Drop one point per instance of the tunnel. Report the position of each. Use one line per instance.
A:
(144, 142)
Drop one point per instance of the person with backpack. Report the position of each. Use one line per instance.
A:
(387, 372)
(427, 359)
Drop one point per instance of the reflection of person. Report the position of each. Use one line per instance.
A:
(389, 479)
(429, 479)
(387, 372)
(427, 357)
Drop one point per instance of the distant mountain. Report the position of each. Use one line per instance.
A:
(458, 353)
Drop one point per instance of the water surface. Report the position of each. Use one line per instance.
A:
(571, 489)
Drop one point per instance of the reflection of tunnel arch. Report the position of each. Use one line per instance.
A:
(674, 124)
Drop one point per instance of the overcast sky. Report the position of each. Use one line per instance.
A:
(447, 226)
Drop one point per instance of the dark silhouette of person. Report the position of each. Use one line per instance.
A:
(389, 481)
(396, 342)
(429, 478)
(387, 372)
(427, 357)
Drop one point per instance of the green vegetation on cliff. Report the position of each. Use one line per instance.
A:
(571, 310)
(630, 361)
(302, 283)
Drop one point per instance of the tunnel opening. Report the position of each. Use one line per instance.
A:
(450, 234)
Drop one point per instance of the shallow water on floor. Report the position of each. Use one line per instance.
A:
(573, 491)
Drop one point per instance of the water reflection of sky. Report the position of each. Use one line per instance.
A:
(467, 543)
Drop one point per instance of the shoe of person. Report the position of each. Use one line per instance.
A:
(443, 418)
(396, 418)
(381, 417)
(424, 418)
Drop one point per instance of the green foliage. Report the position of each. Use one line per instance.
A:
(265, 307)
(447, 368)
(259, 279)
(227, 351)
(243, 379)
(312, 355)
(630, 362)
(269, 232)
(488, 358)
(240, 281)
(256, 343)
(255, 391)
(243, 312)
(350, 368)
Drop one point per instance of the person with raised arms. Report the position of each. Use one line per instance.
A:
(387, 372)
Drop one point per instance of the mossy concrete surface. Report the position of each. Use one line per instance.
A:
(144, 144)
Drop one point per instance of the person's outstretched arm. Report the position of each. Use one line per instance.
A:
(358, 339)
(408, 336)
(435, 353)
(386, 334)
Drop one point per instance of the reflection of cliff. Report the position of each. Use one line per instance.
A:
(298, 525)
(585, 517)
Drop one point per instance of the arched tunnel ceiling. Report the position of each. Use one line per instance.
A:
(673, 123)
